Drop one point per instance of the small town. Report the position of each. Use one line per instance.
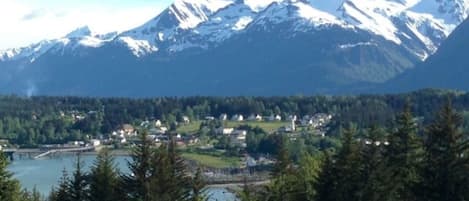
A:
(199, 139)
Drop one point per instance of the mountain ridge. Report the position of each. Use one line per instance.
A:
(446, 69)
(333, 50)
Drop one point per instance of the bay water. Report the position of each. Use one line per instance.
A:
(44, 174)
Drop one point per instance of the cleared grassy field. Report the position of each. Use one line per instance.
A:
(213, 161)
(191, 128)
(267, 126)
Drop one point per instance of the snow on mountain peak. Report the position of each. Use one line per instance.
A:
(80, 37)
(191, 13)
(374, 16)
(451, 11)
(202, 23)
(315, 16)
(80, 32)
(259, 5)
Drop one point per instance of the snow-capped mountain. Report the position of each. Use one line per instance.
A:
(337, 43)
(205, 23)
(196, 23)
(446, 69)
(82, 37)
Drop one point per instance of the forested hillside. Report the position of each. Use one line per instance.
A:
(44, 120)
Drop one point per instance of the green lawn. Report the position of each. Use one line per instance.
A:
(191, 128)
(267, 126)
(213, 161)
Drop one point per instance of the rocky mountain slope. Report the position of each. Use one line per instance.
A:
(446, 69)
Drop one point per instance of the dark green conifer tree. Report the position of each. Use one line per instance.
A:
(198, 185)
(61, 192)
(104, 178)
(348, 164)
(137, 182)
(403, 158)
(9, 188)
(347, 168)
(326, 185)
(281, 186)
(306, 178)
(179, 184)
(78, 185)
(371, 165)
(161, 175)
(446, 160)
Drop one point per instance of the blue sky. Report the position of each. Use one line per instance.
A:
(27, 21)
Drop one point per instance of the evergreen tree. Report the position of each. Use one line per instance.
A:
(9, 187)
(104, 178)
(306, 178)
(347, 168)
(198, 186)
(161, 175)
(446, 160)
(348, 164)
(180, 180)
(402, 160)
(281, 188)
(371, 169)
(61, 193)
(34, 195)
(326, 185)
(137, 182)
(283, 164)
(78, 185)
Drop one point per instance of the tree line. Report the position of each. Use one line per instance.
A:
(384, 164)
(38, 120)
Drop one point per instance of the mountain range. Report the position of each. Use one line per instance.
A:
(244, 47)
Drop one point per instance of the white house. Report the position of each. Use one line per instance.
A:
(223, 117)
(275, 118)
(226, 131)
(123, 140)
(186, 120)
(258, 117)
(278, 118)
(163, 129)
(158, 123)
(95, 142)
(237, 117)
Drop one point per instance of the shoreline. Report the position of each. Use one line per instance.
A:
(113, 152)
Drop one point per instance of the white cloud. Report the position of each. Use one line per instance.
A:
(25, 23)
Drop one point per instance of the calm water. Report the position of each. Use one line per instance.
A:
(45, 173)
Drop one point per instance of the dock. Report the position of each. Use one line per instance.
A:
(77, 149)
(39, 153)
